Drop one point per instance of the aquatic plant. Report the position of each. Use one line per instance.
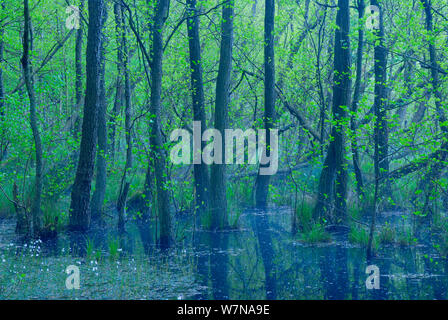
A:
(114, 248)
(317, 234)
(359, 235)
(387, 234)
(304, 214)
(405, 237)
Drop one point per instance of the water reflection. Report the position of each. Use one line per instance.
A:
(263, 233)
(263, 260)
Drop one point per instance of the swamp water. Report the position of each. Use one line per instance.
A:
(260, 260)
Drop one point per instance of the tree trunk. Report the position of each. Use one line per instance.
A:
(381, 163)
(218, 201)
(262, 183)
(436, 165)
(27, 74)
(2, 86)
(355, 102)
(119, 22)
(125, 181)
(80, 197)
(78, 74)
(201, 174)
(333, 179)
(381, 131)
(101, 162)
(3, 144)
(157, 151)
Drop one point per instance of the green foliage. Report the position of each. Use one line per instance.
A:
(387, 234)
(239, 192)
(280, 195)
(90, 249)
(405, 237)
(55, 215)
(359, 235)
(443, 247)
(317, 234)
(6, 207)
(304, 214)
(114, 248)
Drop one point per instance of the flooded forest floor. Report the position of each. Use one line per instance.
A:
(261, 259)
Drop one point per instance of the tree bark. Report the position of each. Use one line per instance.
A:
(3, 144)
(125, 181)
(80, 197)
(27, 72)
(262, 183)
(201, 174)
(119, 91)
(381, 131)
(218, 201)
(333, 179)
(156, 140)
(2, 86)
(436, 165)
(101, 162)
(381, 162)
(355, 102)
(78, 73)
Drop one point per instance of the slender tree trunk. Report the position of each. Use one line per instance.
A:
(380, 132)
(3, 144)
(375, 199)
(380, 107)
(158, 156)
(101, 162)
(119, 91)
(27, 72)
(262, 183)
(125, 181)
(428, 183)
(2, 86)
(218, 201)
(78, 73)
(201, 174)
(80, 197)
(333, 179)
(355, 102)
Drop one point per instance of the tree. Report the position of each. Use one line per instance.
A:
(78, 73)
(2, 86)
(125, 181)
(80, 197)
(381, 131)
(437, 166)
(156, 140)
(218, 201)
(262, 183)
(101, 161)
(201, 174)
(381, 164)
(119, 88)
(3, 146)
(27, 74)
(333, 179)
(356, 99)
